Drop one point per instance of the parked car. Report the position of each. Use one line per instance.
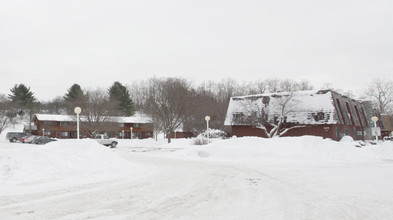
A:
(29, 139)
(22, 139)
(15, 136)
(42, 140)
(388, 138)
(105, 140)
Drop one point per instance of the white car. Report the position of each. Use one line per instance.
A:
(105, 140)
(30, 139)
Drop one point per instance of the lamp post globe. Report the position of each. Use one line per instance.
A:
(77, 110)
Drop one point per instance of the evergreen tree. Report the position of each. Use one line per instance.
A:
(74, 93)
(119, 94)
(21, 97)
(74, 97)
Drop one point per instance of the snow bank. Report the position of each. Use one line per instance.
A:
(31, 168)
(26, 168)
(304, 149)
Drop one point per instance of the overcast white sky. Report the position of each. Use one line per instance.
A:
(50, 45)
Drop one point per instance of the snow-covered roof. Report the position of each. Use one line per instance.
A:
(304, 107)
(50, 117)
(136, 118)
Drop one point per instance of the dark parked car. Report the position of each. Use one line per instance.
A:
(14, 136)
(42, 140)
(387, 138)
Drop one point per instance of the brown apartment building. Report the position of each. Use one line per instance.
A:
(65, 126)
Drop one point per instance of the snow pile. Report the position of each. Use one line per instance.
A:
(346, 139)
(307, 149)
(200, 140)
(27, 168)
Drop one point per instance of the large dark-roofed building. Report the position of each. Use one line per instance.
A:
(322, 113)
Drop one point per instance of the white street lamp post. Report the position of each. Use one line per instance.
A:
(77, 111)
(122, 134)
(207, 118)
(131, 132)
(375, 119)
(43, 132)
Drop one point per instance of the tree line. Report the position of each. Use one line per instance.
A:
(171, 102)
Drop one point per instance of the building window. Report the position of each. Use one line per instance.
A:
(238, 115)
(358, 115)
(63, 124)
(136, 125)
(48, 123)
(318, 116)
(64, 133)
(340, 110)
(364, 117)
(349, 113)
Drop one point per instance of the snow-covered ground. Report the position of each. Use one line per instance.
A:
(238, 178)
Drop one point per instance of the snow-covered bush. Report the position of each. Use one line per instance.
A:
(214, 133)
(200, 140)
(346, 139)
(203, 139)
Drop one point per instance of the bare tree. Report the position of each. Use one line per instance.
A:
(226, 89)
(96, 110)
(287, 85)
(139, 93)
(54, 106)
(204, 103)
(330, 86)
(273, 85)
(381, 93)
(167, 103)
(4, 119)
(258, 87)
(285, 104)
(304, 85)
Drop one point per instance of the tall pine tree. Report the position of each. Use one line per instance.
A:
(74, 93)
(74, 97)
(22, 97)
(119, 94)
